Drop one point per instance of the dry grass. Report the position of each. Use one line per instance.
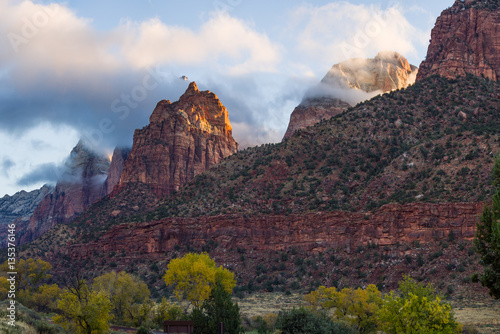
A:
(484, 315)
(264, 303)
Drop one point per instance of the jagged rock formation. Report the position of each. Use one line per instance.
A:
(22, 204)
(315, 232)
(115, 170)
(76, 190)
(465, 39)
(183, 139)
(386, 72)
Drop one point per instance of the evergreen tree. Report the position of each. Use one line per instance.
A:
(488, 237)
(216, 309)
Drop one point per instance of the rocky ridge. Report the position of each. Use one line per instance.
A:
(183, 139)
(78, 187)
(465, 39)
(386, 72)
(18, 208)
(22, 204)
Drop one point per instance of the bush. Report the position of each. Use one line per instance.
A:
(302, 320)
(142, 330)
(418, 309)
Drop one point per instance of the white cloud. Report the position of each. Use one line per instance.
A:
(247, 135)
(38, 146)
(338, 31)
(222, 37)
(51, 39)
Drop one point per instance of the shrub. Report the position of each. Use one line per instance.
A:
(303, 320)
(418, 309)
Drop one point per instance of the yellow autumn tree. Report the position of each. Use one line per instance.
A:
(84, 311)
(358, 307)
(126, 292)
(45, 299)
(4, 287)
(30, 273)
(30, 288)
(194, 275)
(416, 310)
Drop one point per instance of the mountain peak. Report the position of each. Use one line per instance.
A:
(192, 88)
(183, 139)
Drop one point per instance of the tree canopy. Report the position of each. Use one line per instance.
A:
(126, 292)
(194, 276)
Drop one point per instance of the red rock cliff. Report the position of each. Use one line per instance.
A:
(115, 170)
(312, 231)
(79, 186)
(465, 39)
(183, 139)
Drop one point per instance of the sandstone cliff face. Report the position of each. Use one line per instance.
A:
(311, 231)
(115, 170)
(183, 139)
(77, 189)
(465, 39)
(386, 72)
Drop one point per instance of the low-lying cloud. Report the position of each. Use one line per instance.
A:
(350, 95)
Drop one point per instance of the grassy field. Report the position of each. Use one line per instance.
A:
(484, 315)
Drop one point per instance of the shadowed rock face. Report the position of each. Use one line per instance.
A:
(76, 190)
(386, 72)
(183, 139)
(18, 209)
(465, 39)
(115, 170)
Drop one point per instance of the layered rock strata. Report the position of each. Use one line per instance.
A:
(465, 39)
(183, 139)
(311, 231)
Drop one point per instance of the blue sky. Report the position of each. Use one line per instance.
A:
(96, 69)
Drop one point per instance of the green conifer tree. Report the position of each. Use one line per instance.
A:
(487, 239)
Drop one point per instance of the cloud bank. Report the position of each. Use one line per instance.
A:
(340, 30)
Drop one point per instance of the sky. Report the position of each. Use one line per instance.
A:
(96, 69)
